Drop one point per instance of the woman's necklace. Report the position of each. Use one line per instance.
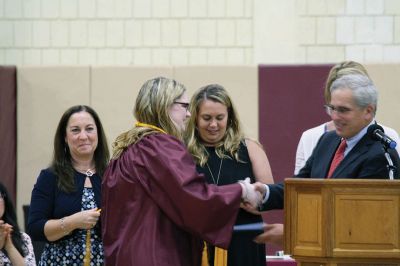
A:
(219, 172)
(89, 173)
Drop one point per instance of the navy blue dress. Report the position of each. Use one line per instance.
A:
(72, 250)
(49, 202)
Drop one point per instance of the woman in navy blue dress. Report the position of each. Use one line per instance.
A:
(65, 204)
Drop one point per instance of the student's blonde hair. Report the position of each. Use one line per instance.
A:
(152, 105)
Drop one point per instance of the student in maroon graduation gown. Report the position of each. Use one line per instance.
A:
(156, 207)
(225, 156)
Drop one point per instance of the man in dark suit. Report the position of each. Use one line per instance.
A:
(346, 152)
(352, 109)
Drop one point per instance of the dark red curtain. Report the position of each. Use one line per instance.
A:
(290, 101)
(8, 128)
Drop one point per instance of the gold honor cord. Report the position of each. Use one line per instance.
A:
(139, 124)
(86, 259)
(220, 256)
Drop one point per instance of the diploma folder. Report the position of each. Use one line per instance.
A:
(259, 227)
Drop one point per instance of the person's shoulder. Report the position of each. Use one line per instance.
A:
(161, 141)
(328, 137)
(47, 173)
(330, 134)
(160, 137)
(311, 135)
(162, 147)
(251, 144)
(25, 237)
(47, 176)
(315, 130)
(249, 141)
(390, 132)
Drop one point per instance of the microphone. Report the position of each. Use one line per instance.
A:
(376, 132)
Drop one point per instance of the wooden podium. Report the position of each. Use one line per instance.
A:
(342, 222)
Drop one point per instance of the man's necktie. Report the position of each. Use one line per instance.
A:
(339, 155)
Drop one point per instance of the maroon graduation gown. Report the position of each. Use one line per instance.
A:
(157, 210)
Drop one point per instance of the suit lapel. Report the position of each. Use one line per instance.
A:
(361, 147)
(330, 152)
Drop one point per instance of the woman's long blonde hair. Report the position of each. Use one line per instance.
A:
(152, 107)
(233, 136)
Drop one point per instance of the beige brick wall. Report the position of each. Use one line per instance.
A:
(193, 32)
(44, 93)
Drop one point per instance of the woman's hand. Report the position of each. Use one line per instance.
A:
(58, 228)
(85, 219)
(3, 234)
(9, 244)
(12, 252)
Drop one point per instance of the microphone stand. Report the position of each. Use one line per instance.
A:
(390, 165)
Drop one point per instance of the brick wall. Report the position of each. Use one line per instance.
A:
(193, 32)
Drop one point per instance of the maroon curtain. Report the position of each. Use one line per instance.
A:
(8, 128)
(290, 101)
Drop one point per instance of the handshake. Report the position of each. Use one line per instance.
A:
(252, 194)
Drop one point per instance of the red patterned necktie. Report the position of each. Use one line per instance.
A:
(339, 155)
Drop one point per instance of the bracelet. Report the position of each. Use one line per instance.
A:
(63, 227)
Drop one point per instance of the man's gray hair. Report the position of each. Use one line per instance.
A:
(364, 90)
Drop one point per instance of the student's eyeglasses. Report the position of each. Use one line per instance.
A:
(2, 195)
(184, 105)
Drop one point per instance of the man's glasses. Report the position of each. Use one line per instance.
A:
(2, 195)
(340, 110)
(184, 105)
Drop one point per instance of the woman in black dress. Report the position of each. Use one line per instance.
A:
(225, 156)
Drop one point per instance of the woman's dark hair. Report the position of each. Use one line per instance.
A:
(62, 164)
(10, 217)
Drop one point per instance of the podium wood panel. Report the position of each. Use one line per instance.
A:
(308, 224)
(342, 221)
